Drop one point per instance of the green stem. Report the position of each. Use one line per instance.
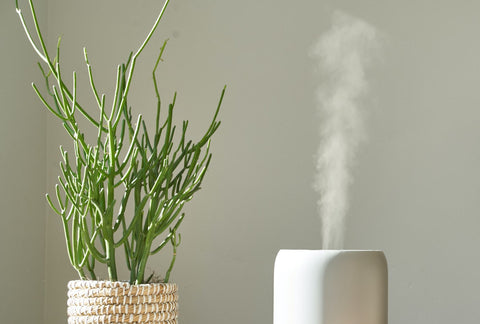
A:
(143, 260)
(112, 268)
(134, 59)
(175, 244)
(81, 273)
(108, 229)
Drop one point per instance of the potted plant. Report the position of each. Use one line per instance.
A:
(126, 168)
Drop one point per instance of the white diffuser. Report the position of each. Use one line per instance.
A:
(330, 287)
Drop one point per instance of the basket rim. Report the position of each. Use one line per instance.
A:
(85, 284)
(88, 288)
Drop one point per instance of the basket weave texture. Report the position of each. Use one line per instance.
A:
(105, 302)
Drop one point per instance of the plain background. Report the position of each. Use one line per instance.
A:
(22, 175)
(416, 183)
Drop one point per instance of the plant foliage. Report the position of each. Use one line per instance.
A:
(125, 168)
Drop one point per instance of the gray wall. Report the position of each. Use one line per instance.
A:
(416, 180)
(22, 175)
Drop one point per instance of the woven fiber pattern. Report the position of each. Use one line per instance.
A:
(150, 299)
(105, 302)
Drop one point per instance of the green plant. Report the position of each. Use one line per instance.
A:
(125, 167)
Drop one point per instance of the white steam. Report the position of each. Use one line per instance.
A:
(342, 54)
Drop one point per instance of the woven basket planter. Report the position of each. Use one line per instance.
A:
(96, 302)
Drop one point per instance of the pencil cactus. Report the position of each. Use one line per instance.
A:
(152, 175)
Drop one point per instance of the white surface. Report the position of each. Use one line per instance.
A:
(330, 287)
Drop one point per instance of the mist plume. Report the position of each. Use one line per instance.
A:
(342, 55)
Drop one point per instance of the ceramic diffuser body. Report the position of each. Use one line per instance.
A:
(330, 287)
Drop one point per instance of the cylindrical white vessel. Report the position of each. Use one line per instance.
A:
(330, 287)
